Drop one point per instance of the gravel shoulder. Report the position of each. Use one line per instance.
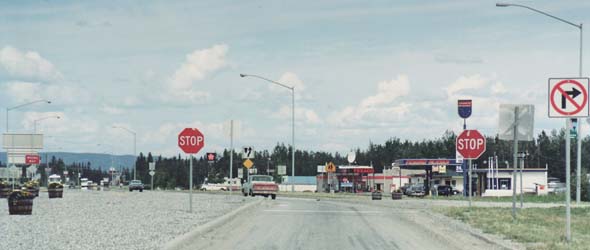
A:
(110, 219)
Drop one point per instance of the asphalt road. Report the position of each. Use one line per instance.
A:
(290, 223)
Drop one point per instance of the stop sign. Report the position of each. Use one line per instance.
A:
(471, 144)
(191, 140)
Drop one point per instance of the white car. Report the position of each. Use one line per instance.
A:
(213, 187)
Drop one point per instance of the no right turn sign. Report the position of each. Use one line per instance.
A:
(568, 97)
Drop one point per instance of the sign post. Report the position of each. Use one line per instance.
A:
(464, 109)
(191, 141)
(568, 98)
(471, 145)
(152, 167)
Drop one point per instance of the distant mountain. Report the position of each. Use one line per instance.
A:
(96, 160)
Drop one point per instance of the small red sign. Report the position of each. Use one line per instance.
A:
(211, 156)
(32, 159)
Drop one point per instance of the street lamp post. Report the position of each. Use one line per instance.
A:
(567, 124)
(292, 88)
(41, 119)
(134, 149)
(7, 123)
(20, 106)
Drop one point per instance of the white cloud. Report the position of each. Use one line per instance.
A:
(198, 64)
(111, 110)
(498, 88)
(292, 80)
(28, 65)
(180, 89)
(379, 108)
(387, 91)
(132, 101)
(301, 114)
(465, 83)
(21, 91)
(73, 127)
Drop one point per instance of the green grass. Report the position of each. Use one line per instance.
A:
(539, 228)
(551, 198)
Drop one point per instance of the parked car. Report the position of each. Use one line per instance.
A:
(446, 190)
(135, 185)
(404, 188)
(213, 187)
(416, 190)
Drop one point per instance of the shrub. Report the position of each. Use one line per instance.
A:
(55, 185)
(32, 184)
(20, 195)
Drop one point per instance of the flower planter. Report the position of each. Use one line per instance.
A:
(5, 192)
(396, 196)
(376, 196)
(34, 191)
(20, 203)
(55, 193)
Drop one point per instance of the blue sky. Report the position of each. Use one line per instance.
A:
(363, 71)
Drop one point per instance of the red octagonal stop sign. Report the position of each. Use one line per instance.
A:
(191, 140)
(471, 144)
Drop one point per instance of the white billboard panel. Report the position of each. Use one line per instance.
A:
(22, 141)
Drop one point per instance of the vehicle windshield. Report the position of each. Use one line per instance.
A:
(135, 182)
(261, 178)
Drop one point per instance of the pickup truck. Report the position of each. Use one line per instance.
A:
(260, 185)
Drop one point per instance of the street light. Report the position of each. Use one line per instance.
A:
(567, 123)
(44, 118)
(20, 106)
(134, 148)
(292, 122)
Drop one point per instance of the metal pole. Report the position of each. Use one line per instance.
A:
(469, 182)
(293, 139)
(567, 182)
(521, 183)
(579, 150)
(135, 156)
(231, 153)
(514, 162)
(190, 181)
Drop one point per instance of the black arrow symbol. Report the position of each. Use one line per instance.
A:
(573, 93)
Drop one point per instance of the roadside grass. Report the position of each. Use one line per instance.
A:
(538, 228)
(550, 198)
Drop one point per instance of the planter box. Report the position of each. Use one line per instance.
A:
(20, 207)
(34, 191)
(376, 196)
(55, 193)
(396, 196)
(5, 192)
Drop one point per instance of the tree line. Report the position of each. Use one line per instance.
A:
(547, 150)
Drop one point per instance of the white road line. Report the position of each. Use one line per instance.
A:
(321, 211)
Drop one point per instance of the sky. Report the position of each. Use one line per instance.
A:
(363, 71)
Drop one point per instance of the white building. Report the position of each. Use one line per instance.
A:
(500, 182)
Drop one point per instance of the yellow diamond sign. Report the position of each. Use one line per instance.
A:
(248, 163)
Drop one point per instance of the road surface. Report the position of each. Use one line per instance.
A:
(291, 223)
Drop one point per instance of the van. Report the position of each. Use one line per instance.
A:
(84, 184)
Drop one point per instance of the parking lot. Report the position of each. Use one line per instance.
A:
(114, 219)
